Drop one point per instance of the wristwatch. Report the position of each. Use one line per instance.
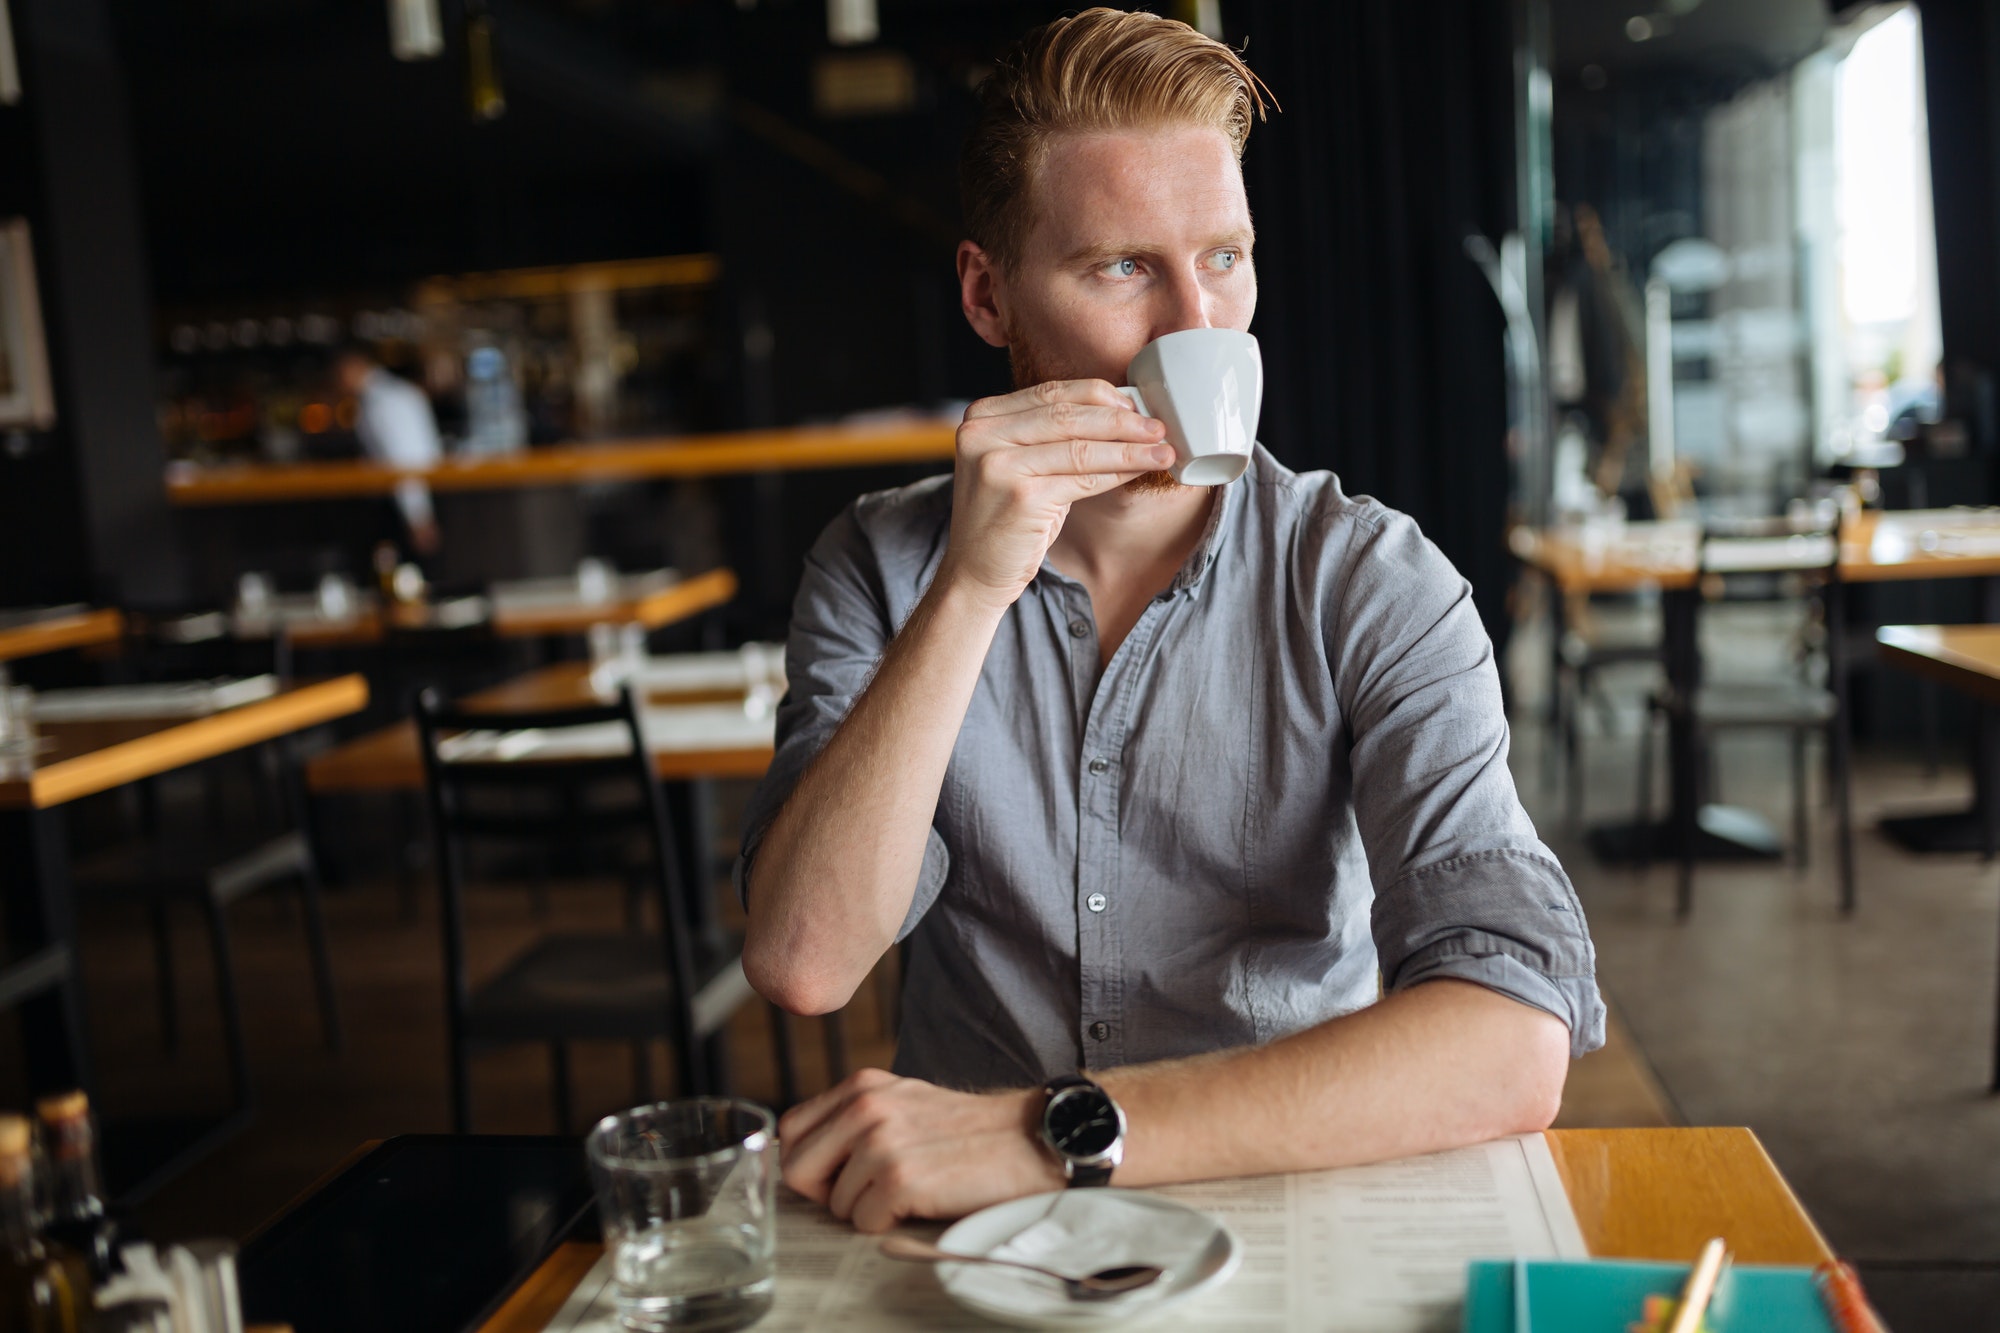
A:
(1084, 1128)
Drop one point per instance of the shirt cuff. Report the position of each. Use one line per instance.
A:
(1506, 919)
(1574, 1000)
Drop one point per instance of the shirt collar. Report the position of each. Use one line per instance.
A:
(1221, 519)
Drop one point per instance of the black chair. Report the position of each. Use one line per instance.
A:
(682, 983)
(48, 975)
(1582, 652)
(1800, 706)
(183, 867)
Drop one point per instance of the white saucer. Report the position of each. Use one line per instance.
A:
(1081, 1232)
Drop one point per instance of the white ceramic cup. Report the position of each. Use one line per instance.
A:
(1208, 386)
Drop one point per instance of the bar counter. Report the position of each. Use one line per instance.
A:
(918, 441)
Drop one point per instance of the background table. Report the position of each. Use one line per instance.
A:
(389, 759)
(920, 441)
(28, 633)
(1967, 658)
(1875, 547)
(1637, 1193)
(81, 759)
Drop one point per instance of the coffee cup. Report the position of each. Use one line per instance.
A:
(1207, 385)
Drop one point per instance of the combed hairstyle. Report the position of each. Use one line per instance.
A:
(1103, 69)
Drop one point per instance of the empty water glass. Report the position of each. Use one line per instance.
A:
(687, 1191)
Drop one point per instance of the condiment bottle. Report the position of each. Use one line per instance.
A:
(43, 1287)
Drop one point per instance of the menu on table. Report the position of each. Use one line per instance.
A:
(1369, 1249)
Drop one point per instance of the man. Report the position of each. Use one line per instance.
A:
(1152, 778)
(393, 421)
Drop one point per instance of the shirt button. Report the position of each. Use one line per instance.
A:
(1100, 766)
(1096, 902)
(1100, 1031)
(1079, 628)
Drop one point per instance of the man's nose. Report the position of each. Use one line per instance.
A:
(1185, 305)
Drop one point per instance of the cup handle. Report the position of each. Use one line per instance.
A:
(1138, 403)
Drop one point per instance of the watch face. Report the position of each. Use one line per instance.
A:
(1082, 1122)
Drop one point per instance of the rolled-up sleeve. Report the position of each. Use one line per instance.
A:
(1464, 888)
(842, 623)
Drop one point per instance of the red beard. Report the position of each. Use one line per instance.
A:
(1029, 369)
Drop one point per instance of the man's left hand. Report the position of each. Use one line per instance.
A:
(877, 1148)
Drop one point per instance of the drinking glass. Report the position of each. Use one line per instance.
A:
(17, 720)
(253, 594)
(687, 1191)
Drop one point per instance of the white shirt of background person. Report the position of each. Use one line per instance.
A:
(394, 423)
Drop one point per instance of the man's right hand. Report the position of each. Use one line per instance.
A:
(1023, 460)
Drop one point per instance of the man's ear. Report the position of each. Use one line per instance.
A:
(980, 293)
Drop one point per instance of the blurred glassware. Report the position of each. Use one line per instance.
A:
(17, 723)
(336, 596)
(253, 594)
(494, 420)
(596, 581)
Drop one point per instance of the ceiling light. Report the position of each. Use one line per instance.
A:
(852, 22)
(415, 31)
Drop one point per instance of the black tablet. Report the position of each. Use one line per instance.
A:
(425, 1233)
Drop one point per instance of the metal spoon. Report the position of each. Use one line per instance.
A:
(1099, 1286)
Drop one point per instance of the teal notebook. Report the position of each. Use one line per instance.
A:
(1606, 1295)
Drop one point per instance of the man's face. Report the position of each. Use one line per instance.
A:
(1136, 234)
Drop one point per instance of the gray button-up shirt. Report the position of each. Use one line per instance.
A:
(1292, 773)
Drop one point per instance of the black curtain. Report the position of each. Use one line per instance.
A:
(1382, 342)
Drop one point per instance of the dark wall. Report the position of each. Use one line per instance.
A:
(284, 152)
(1382, 342)
(1962, 102)
(82, 505)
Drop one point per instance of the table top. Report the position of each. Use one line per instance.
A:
(82, 758)
(922, 441)
(1637, 1193)
(652, 603)
(652, 598)
(1878, 546)
(27, 634)
(389, 759)
(1965, 657)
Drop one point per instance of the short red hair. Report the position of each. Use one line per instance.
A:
(1104, 69)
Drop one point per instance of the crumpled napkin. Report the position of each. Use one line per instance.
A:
(1084, 1232)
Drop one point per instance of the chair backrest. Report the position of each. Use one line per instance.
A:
(520, 778)
(1782, 544)
(1771, 545)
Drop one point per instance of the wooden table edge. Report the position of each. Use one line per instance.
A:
(655, 610)
(795, 449)
(82, 630)
(1949, 669)
(538, 1298)
(190, 742)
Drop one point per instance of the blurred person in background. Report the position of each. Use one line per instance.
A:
(394, 422)
(1597, 364)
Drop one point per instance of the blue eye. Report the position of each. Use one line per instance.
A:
(1124, 268)
(1227, 259)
